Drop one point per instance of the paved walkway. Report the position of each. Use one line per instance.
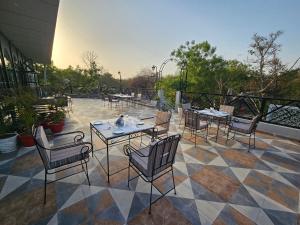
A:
(216, 183)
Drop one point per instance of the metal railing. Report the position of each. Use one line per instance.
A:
(279, 111)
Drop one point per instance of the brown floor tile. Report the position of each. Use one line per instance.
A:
(201, 154)
(216, 182)
(162, 213)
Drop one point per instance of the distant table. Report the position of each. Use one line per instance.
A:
(216, 115)
(122, 97)
(110, 135)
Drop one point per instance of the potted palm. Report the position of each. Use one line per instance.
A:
(27, 118)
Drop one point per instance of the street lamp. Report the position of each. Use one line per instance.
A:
(120, 81)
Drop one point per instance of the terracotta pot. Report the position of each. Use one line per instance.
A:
(56, 127)
(26, 140)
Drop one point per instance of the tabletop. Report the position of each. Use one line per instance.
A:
(109, 130)
(122, 96)
(213, 112)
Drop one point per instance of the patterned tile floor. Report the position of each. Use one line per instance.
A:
(216, 183)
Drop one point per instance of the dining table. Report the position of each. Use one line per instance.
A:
(111, 134)
(215, 115)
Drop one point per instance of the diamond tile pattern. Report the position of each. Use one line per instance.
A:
(216, 183)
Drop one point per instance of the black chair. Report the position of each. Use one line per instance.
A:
(73, 154)
(195, 122)
(244, 128)
(153, 161)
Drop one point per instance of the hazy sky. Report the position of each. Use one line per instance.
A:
(129, 35)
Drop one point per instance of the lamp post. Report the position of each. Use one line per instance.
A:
(120, 81)
(154, 68)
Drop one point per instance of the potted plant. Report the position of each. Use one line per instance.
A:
(27, 118)
(57, 121)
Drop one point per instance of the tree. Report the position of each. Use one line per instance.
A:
(265, 61)
(93, 69)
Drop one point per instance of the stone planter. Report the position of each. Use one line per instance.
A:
(8, 142)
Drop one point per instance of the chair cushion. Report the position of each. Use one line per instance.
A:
(241, 127)
(68, 155)
(141, 163)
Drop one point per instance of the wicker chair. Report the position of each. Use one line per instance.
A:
(162, 124)
(153, 161)
(195, 122)
(244, 128)
(60, 158)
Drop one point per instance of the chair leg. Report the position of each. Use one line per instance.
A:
(87, 173)
(195, 139)
(45, 187)
(128, 174)
(173, 181)
(249, 143)
(150, 197)
(254, 140)
(227, 135)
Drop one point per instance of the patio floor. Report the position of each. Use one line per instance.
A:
(216, 183)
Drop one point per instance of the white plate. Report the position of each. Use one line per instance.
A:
(140, 123)
(98, 123)
(118, 131)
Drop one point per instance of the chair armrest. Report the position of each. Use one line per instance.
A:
(128, 149)
(85, 144)
(162, 123)
(77, 137)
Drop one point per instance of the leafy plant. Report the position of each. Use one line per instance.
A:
(57, 116)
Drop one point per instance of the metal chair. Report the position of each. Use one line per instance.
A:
(153, 161)
(112, 100)
(195, 122)
(73, 154)
(162, 125)
(229, 109)
(244, 128)
(185, 107)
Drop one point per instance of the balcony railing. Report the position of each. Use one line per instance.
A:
(280, 111)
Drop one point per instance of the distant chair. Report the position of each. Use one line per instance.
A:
(229, 109)
(244, 128)
(162, 125)
(59, 158)
(105, 99)
(113, 100)
(185, 107)
(195, 122)
(153, 161)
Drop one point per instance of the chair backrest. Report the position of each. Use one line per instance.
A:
(254, 123)
(139, 96)
(227, 108)
(191, 119)
(186, 106)
(194, 120)
(162, 154)
(163, 119)
(132, 94)
(42, 144)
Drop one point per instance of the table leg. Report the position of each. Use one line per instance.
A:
(218, 130)
(91, 131)
(107, 158)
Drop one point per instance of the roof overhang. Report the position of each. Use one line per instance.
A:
(30, 26)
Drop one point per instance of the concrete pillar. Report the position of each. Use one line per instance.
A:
(177, 99)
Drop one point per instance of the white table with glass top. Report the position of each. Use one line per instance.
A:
(110, 135)
(216, 115)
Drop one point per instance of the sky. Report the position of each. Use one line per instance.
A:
(129, 35)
